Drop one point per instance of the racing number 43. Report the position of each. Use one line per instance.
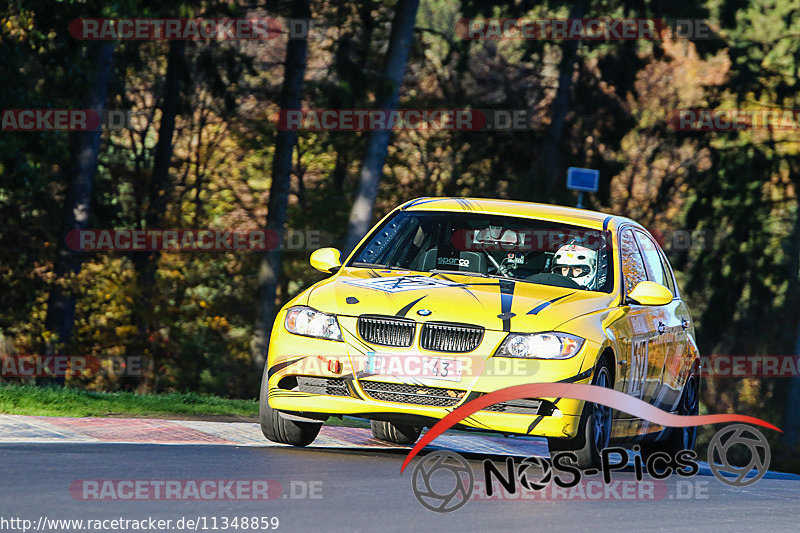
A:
(439, 367)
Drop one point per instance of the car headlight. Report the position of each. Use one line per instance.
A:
(550, 345)
(312, 323)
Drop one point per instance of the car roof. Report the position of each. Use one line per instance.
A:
(549, 212)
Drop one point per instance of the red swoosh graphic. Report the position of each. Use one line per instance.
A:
(590, 393)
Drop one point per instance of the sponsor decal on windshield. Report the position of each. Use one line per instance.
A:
(394, 284)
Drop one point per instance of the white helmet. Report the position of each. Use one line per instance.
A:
(577, 263)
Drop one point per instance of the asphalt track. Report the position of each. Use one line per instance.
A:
(348, 487)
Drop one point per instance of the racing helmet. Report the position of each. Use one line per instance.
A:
(576, 262)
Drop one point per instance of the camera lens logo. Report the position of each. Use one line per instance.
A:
(721, 444)
(442, 481)
(527, 477)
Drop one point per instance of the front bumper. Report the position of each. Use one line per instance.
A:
(353, 392)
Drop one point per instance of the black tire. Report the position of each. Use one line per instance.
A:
(673, 440)
(396, 433)
(279, 429)
(594, 430)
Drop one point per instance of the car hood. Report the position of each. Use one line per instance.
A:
(496, 304)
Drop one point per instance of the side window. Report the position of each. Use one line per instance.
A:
(668, 272)
(633, 269)
(653, 259)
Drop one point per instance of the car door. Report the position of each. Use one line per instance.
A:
(638, 335)
(670, 340)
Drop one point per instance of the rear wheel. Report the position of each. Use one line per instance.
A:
(594, 430)
(396, 433)
(279, 429)
(677, 439)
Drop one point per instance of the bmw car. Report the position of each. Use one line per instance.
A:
(448, 299)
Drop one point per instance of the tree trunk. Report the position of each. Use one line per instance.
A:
(269, 270)
(372, 168)
(353, 73)
(547, 169)
(791, 421)
(80, 173)
(146, 263)
(160, 185)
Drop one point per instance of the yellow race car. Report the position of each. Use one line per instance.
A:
(447, 299)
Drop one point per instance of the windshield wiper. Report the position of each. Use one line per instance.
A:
(360, 264)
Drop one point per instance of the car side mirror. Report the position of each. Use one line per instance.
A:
(326, 260)
(650, 293)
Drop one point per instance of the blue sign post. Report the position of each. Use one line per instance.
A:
(582, 180)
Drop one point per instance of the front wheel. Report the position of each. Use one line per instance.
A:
(279, 429)
(396, 433)
(594, 429)
(678, 439)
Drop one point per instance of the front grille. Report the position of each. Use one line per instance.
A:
(328, 386)
(386, 331)
(442, 337)
(413, 394)
(521, 407)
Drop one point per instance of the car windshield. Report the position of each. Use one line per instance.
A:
(534, 251)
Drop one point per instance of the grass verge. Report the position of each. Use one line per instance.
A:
(63, 401)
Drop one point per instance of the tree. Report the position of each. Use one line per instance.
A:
(80, 173)
(791, 421)
(548, 168)
(285, 141)
(372, 167)
(160, 184)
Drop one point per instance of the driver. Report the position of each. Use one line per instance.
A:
(577, 263)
